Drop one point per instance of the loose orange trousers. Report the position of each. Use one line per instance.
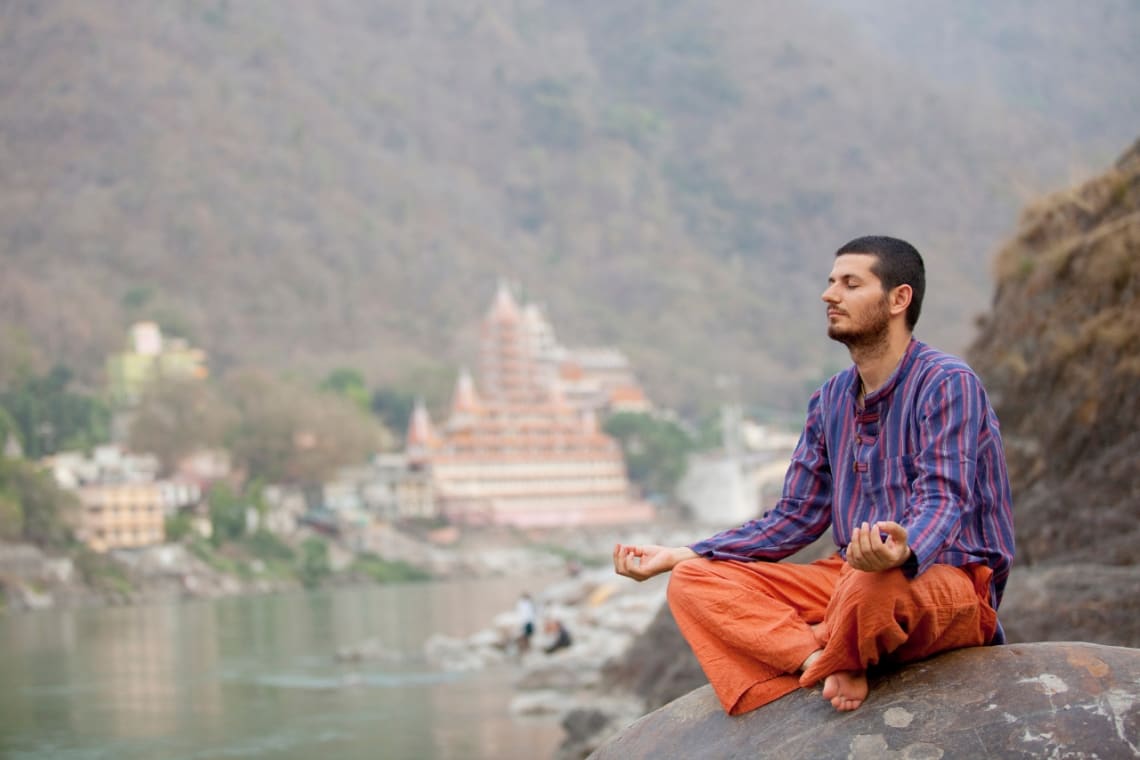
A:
(750, 623)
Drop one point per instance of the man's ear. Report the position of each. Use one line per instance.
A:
(900, 298)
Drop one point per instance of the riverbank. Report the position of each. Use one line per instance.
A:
(602, 612)
(31, 579)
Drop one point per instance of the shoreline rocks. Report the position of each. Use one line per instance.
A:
(604, 615)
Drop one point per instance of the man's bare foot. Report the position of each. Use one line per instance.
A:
(846, 689)
(819, 630)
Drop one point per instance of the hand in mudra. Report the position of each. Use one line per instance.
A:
(870, 553)
(644, 562)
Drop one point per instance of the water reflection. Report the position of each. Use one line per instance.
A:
(258, 677)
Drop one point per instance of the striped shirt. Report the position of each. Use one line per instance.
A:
(925, 452)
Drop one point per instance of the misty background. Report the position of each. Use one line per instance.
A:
(299, 186)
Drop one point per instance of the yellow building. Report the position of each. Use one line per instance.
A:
(121, 515)
(151, 357)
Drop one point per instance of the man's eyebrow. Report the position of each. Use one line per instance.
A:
(844, 276)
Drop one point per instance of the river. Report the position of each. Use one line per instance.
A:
(257, 677)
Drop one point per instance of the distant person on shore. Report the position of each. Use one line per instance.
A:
(902, 458)
(560, 637)
(525, 612)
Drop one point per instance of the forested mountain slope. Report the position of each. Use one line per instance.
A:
(304, 185)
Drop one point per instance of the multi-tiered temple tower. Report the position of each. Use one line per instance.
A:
(518, 453)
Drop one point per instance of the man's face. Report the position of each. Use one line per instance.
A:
(858, 312)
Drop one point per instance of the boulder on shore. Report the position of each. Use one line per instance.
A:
(1066, 699)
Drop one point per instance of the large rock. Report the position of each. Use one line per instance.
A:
(1083, 602)
(1019, 701)
(1059, 356)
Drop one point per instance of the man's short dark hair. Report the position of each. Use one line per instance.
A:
(897, 262)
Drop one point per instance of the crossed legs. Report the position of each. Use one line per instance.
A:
(754, 625)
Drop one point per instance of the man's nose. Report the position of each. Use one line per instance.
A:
(828, 295)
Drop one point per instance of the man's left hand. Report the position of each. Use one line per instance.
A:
(870, 553)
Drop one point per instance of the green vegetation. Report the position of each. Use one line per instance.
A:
(393, 407)
(50, 418)
(32, 507)
(269, 548)
(101, 572)
(210, 554)
(227, 514)
(381, 570)
(178, 527)
(656, 450)
(349, 384)
(263, 555)
(314, 562)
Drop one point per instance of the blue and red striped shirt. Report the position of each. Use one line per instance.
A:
(925, 452)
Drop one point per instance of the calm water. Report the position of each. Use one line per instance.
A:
(256, 677)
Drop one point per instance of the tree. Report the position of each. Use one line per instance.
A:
(393, 404)
(287, 433)
(227, 514)
(656, 450)
(32, 507)
(393, 407)
(51, 418)
(8, 429)
(347, 383)
(177, 417)
(19, 356)
(11, 518)
(314, 566)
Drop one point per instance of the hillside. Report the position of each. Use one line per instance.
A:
(1061, 351)
(303, 186)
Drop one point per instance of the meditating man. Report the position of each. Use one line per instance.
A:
(901, 457)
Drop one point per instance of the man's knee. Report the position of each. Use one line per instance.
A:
(859, 587)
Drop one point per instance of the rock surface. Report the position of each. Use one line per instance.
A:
(1060, 356)
(1063, 700)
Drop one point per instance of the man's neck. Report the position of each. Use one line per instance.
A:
(877, 363)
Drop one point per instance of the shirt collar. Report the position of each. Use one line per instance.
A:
(884, 392)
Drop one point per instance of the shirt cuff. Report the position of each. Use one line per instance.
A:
(910, 566)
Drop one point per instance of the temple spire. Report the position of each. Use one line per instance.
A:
(465, 400)
(421, 433)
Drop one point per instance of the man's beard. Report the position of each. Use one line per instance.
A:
(870, 335)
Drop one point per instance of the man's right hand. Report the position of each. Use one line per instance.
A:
(643, 562)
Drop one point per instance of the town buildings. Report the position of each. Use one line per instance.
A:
(124, 502)
(523, 447)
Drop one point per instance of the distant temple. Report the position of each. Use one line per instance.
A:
(524, 448)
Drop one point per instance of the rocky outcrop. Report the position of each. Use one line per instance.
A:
(1017, 701)
(1078, 601)
(1060, 355)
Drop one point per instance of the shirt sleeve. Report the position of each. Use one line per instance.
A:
(802, 513)
(950, 418)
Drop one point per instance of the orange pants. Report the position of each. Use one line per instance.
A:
(749, 623)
